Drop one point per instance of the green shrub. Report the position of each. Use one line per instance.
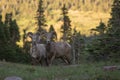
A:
(15, 54)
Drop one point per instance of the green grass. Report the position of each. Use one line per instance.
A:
(84, 71)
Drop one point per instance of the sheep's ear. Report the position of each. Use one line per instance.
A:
(30, 34)
(54, 34)
(40, 33)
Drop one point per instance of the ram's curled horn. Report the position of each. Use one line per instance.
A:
(29, 34)
(42, 32)
(38, 33)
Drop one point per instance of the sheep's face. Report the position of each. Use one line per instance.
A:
(35, 37)
(50, 36)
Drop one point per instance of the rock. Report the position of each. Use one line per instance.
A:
(41, 79)
(13, 78)
(110, 68)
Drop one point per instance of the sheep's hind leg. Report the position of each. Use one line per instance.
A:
(34, 61)
(68, 60)
(65, 59)
(51, 60)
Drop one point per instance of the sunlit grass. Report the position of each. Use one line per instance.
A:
(83, 21)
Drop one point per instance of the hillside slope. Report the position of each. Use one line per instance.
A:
(84, 14)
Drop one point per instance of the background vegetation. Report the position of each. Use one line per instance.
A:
(84, 14)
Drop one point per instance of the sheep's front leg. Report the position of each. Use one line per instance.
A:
(52, 58)
(34, 61)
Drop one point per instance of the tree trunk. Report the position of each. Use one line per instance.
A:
(73, 51)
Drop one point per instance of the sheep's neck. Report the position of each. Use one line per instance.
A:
(34, 47)
(48, 47)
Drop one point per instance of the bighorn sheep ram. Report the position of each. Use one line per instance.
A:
(37, 50)
(57, 49)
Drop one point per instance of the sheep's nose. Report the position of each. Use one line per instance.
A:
(48, 42)
(33, 42)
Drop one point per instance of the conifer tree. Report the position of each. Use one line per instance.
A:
(113, 32)
(114, 22)
(66, 27)
(11, 29)
(51, 28)
(77, 45)
(40, 16)
(26, 44)
(97, 47)
(8, 19)
(2, 35)
(101, 28)
(14, 32)
(107, 46)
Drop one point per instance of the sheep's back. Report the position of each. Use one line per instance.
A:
(62, 48)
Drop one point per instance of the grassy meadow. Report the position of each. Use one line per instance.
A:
(83, 71)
